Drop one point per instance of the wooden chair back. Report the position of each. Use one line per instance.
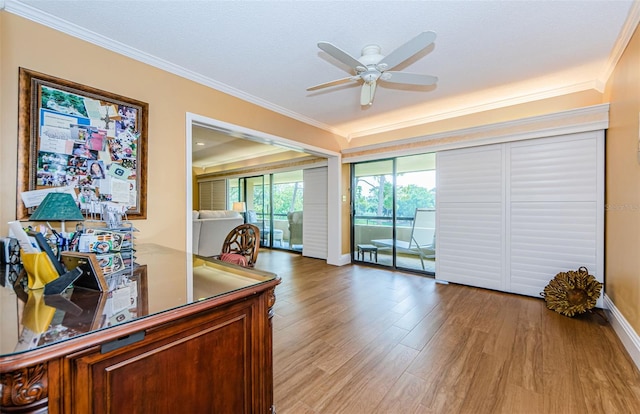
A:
(244, 240)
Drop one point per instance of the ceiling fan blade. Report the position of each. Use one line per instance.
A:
(409, 78)
(333, 83)
(409, 49)
(340, 54)
(367, 93)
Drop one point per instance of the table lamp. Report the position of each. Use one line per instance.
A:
(240, 207)
(58, 207)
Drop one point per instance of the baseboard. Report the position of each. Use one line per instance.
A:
(625, 332)
(345, 259)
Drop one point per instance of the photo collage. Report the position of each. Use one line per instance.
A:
(90, 145)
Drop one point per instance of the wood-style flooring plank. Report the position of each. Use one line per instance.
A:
(404, 396)
(449, 381)
(371, 372)
(525, 357)
(422, 333)
(517, 400)
(297, 408)
(359, 339)
(486, 392)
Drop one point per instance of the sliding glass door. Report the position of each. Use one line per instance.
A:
(372, 222)
(415, 191)
(393, 221)
(258, 200)
(287, 198)
(273, 204)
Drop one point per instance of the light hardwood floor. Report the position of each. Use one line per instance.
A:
(356, 339)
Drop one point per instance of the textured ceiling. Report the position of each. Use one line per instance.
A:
(487, 53)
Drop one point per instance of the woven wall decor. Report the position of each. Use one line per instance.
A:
(573, 292)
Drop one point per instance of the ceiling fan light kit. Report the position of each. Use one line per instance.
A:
(372, 66)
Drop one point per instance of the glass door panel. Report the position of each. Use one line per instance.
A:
(265, 235)
(287, 198)
(415, 212)
(233, 192)
(373, 212)
(270, 199)
(257, 208)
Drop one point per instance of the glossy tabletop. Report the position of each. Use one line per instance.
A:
(162, 280)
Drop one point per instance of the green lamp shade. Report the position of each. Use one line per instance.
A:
(57, 207)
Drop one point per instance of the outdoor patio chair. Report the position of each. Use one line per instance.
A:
(422, 240)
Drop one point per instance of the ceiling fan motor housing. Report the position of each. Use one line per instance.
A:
(370, 58)
(371, 55)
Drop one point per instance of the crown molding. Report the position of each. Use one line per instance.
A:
(629, 27)
(473, 109)
(585, 119)
(37, 16)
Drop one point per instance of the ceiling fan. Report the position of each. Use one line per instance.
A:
(372, 67)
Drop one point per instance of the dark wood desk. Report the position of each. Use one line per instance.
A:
(186, 343)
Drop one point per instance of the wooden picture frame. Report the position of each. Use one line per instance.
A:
(75, 135)
(92, 276)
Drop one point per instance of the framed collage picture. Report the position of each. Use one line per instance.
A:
(71, 135)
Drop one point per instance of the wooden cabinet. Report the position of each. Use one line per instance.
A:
(209, 363)
(209, 356)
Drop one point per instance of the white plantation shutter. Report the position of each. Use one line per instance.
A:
(314, 218)
(555, 209)
(469, 240)
(511, 216)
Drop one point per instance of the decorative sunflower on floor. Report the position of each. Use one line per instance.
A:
(572, 292)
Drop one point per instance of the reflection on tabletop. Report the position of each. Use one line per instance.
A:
(53, 318)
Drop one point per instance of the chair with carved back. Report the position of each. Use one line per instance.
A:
(244, 241)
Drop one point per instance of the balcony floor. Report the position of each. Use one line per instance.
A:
(405, 261)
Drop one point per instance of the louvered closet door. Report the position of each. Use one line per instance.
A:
(555, 209)
(511, 216)
(469, 240)
(314, 218)
(213, 195)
